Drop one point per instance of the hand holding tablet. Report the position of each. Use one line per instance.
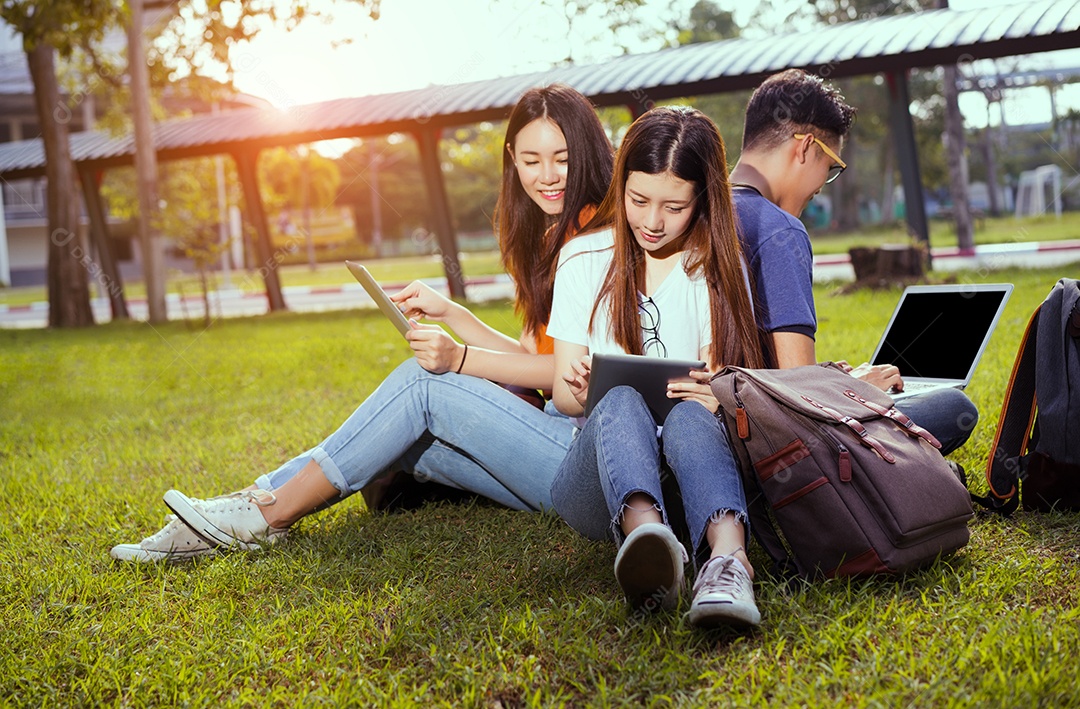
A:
(650, 376)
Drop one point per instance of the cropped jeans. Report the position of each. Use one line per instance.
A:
(617, 454)
(455, 429)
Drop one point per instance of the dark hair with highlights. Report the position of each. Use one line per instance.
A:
(791, 102)
(528, 238)
(686, 143)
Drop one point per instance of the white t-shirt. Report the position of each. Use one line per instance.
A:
(683, 302)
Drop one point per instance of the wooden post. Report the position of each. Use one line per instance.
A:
(268, 260)
(430, 164)
(99, 237)
(907, 157)
(153, 256)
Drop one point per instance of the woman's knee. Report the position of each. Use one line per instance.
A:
(622, 400)
(690, 413)
(690, 420)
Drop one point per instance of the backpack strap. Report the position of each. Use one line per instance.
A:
(1007, 455)
(862, 435)
(899, 418)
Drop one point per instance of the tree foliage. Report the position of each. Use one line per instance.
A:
(709, 22)
(382, 184)
(199, 36)
(285, 174)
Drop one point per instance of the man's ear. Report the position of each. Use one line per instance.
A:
(802, 149)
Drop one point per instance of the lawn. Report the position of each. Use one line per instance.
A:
(448, 605)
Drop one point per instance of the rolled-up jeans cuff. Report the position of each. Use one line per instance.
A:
(331, 471)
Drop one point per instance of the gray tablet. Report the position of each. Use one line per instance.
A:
(387, 306)
(648, 375)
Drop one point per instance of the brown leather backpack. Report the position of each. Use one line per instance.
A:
(837, 481)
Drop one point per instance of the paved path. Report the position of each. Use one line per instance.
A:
(234, 303)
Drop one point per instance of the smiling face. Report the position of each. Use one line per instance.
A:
(540, 157)
(659, 209)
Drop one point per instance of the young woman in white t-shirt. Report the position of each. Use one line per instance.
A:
(667, 279)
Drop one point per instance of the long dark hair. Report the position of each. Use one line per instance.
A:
(528, 238)
(686, 143)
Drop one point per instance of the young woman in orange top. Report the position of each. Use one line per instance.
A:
(441, 415)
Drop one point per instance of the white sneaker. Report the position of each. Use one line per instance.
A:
(231, 521)
(649, 567)
(173, 542)
(724, 595)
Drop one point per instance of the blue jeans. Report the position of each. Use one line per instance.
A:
(458, 430)
(947, 413)
(618, 454)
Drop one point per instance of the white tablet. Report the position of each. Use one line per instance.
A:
(648, 375)
(387, 306)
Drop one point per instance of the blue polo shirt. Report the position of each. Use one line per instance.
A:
(777, 247)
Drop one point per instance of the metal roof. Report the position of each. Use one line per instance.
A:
(898, 42)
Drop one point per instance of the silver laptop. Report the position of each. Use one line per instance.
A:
(938, 333)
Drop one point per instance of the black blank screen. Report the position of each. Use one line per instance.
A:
(938, 335)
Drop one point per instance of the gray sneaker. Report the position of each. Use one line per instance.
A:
(724, 595)
(649, 567)
(230, 521)
(173, 542)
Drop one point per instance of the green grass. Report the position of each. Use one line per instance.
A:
(449, 605)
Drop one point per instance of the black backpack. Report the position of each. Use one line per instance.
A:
(1035, 458)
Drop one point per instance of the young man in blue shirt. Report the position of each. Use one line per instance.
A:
(792, 144)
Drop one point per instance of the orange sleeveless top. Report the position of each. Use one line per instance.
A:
(544, 344)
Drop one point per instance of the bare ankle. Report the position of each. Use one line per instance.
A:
(639, 509)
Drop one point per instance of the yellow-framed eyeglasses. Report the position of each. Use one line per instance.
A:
(835, 170)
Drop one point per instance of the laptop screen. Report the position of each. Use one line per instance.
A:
(940, 335)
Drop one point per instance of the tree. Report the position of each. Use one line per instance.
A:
(192, 219)
(189, 218)
(617, 18)
(473, 157)
(381, 179)
(709, 22)
(49, 28)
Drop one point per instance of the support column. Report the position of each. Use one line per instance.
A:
(5, 263)
(153, 248)
(428, 141)
(907, 156)
(268, 260)
(99, 237)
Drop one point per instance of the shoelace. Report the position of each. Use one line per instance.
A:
(722, 575)
(238, 500)
(164, 531)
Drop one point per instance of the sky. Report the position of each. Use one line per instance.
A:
(416, 43)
